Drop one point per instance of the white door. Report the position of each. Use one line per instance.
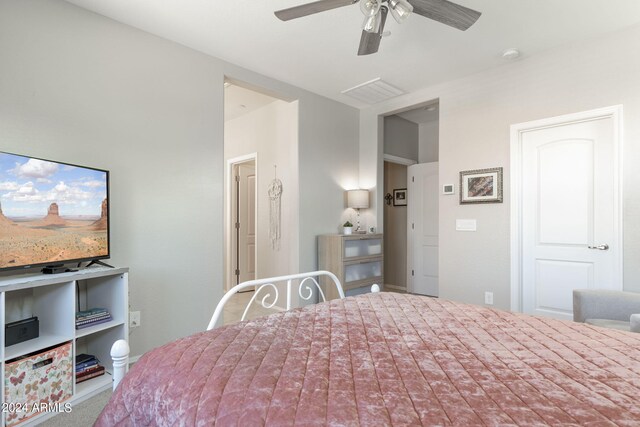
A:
(245, 223)
(569, 214)
(422, 228)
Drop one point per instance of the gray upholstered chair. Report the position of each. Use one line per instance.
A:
(609, 309)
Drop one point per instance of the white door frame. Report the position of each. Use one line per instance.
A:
(398, 160)
(228, 210)
(517, 132)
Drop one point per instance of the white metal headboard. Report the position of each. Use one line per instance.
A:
(307, 283)
(120, 349)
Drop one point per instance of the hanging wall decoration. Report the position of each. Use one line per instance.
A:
(275, 192)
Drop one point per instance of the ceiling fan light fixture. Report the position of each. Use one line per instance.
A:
(370, 7)
(375, 12)
(400, 10)
(371, 24)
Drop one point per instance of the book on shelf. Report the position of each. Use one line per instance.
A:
(85, 360)
(88, 369)
(91, 312)
(91, 315)
(93, 322)
(91, 319)
(90, 374)
(83, 357)
(88, 319)
(87, 365)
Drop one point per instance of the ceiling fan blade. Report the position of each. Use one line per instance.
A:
(370, 42)
(448, 13)
(311, 8)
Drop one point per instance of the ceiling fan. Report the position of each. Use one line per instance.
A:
(375, 12)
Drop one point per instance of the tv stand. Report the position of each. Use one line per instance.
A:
(98, 262)
(54, 299)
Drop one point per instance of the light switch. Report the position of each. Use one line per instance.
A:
(465, 225)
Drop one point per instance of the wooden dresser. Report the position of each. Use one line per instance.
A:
(357, 260)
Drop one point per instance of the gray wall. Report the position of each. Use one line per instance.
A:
(81, 88)
(401, 137)
(328, 149)
(475, 118)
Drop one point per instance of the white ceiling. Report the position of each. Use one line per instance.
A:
(239, 101)
(318, 52)
(421, 115)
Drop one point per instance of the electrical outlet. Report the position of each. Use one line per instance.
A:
(134, 319)
(488, 298)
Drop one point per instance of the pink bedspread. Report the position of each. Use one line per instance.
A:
(387, 359)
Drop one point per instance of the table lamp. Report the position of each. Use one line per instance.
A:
(358, 199)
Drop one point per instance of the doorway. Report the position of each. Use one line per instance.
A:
(566, 210)
(411, 144)
(260, 146)
(395, 226)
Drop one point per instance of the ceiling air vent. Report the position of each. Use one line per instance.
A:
(373, 91)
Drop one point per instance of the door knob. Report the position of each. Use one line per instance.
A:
(604, 247)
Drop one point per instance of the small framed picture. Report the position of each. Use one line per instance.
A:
(400, 197)
(481, 186)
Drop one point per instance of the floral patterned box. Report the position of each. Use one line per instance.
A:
(37, 383)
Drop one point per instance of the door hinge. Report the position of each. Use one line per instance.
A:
(237, 226)
(237, 272)
(413, 226)
(412, 273)
(237, 178)
(413, 179)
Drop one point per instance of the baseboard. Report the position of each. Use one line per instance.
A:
(396, 288)
(134, 359)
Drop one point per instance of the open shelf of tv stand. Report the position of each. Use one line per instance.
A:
(101, 327)
(54, 299)
(33, 345)
(88, 388)
(31, 280)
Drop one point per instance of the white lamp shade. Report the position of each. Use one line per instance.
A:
(371, 24)
(358, 199)
(400, 10)
(370, 7)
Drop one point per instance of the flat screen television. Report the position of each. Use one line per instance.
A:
(51, 213)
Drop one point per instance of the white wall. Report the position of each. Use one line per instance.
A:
(84, 89)
(401, 137)
(328, 151)
(475, 116)
(271, 132)
(428, 141)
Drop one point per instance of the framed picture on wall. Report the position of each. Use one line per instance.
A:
(481, 186)
(400, 197)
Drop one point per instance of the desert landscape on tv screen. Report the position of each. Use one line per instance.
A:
(50, 212)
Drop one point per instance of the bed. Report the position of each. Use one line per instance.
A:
(387, 359)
